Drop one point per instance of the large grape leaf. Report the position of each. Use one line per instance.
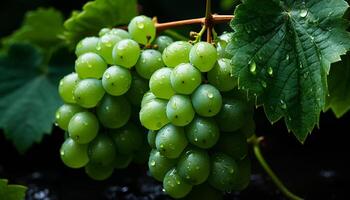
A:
(11, 192)
(339, 87)
(282, 51)
(28, 94)
(42, 27)
(96, 15)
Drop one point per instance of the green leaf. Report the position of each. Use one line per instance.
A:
(41, 27)
(28, 94)
(339, 87)
(96, 15)
(282, 51)
(11, 192)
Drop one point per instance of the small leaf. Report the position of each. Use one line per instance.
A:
(339, 87)
(28, 94)
(41, 27)
(296, 41)
(11, 192)
(96, 15)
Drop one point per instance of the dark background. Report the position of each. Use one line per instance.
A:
(319, 169)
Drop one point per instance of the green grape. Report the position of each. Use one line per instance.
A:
(87, 45)
(113, 111)
(162, 42)
(160, 85)
(243, 176)
(221, 76)
(221, 45)
(176, 53)
(83, 127)
(203, 132)
(142, 29)
(171, 141)
(204, 191)
(74, 155)
(174, 185)
(248, 128)
(106, 45)
(65, 113)
(90, 65)
(185, 78)
(128, 139)
(67, 86)
(151, 138)
(122, 161)
(123, 34)
(206, 100)
(150, 61)
(104, 31)
(102, 150)
(141, 155)
(194, 166)
(203, 55)
(233, 144)
(147, 97)
(224, 172)
(98, 172)
(233, 115)
(179, 110)
(88, 92)
(116, 80)
(153, 114)
(159, 165)
(138, 88)
(126, 53)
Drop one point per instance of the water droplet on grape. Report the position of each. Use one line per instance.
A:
(58, 116)
(252, 67)
(270, 71)
(303, 13)
(210, 95)
(140, 25)
(283, 104)
(153, 163)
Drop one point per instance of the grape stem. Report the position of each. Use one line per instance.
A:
(255, 141)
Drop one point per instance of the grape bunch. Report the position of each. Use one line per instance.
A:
(198, 122)
(102, 98)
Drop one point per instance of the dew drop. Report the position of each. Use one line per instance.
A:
(283, 104)
(140, 25)
(153, 163)
(270, 71)
(210, 95)
(56, 124)
(303, 13)
(62, 153)
(252, 67)
(287, 57)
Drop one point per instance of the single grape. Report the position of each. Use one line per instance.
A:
(122, 161)
(243, 176)
(174, 185)
(104, 31)
(162, 42)
(203, 55)
(142, 29)
(233, 144)
(159, 165)
(153, 114)
(67, 86)
(86, 45)
(128, 139)
(74, 155)
(83, 127)
(179, 110)
(221, 45)
(138, 88)
(116, 80)
(102, 150)
(151, 138)
(88, 92)
(65, 113)
(160, 85)
(176, 53)
(106, 45)
(147, 97)
(194, 166)
(150, 61)
(123, 34)
(126, 53)
(233, 115)
(90, 65)
(203, 132)
(221, 76)
(224, 172)
(185, 78)
(98, 172)
(113, 111)
(206, 100)
(171, 141)
(204, 191)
